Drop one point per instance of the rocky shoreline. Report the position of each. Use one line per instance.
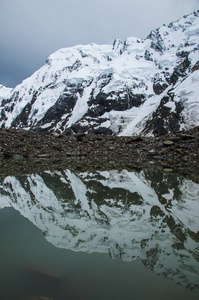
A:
(22, 150)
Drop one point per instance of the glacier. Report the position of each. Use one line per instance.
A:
(139, 86)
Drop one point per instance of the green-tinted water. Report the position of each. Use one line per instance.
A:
(99, 235)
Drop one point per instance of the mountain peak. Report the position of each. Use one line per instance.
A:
(4, 91)
(132, 87)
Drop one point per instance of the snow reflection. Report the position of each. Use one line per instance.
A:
(145, 215)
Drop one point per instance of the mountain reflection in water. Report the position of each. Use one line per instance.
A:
(146, 215)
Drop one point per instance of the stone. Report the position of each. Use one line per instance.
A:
(44, 155)
(168, 143)
(159, 144)
(136, 139)
(167, 170)
(55, 134)
(187, 136)
(152, 152)
(18, 157)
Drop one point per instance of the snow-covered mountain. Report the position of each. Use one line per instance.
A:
(147, 86)
(4, 91)
(148, 215)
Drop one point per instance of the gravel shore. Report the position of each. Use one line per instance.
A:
(21, 150)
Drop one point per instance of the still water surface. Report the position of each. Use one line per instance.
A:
(99, 235)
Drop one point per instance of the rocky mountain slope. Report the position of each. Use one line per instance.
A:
(139, 86)
(147, 215)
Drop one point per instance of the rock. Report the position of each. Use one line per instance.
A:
(174, 138)
(167, 170)
(80, 136)
(103, 130)
(134, 139)
(187, 136)
(184, 146)
(55, 134)
(18, 157)
(159, 87)
(152, 152)
(8, 154)
(168, 143)
(44, 155)
(159, 144)
(195, 67)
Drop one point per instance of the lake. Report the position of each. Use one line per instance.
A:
(103, 234)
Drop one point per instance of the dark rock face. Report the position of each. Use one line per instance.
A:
(95, 128)
(148, 55)
(103, 103)
(159, 87)
(7, 105)
(195, 67)
(64, 105)
(157, 42)
(103, 130)
(22, 118)
(180, 71)
(163, 120)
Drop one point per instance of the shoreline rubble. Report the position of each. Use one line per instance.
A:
(20, 148)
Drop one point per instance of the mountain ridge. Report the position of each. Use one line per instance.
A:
(139, 86)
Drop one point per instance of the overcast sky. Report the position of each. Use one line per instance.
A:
(30, 30)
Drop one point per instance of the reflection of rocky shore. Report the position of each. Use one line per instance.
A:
(143, 215)
(25, 150)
